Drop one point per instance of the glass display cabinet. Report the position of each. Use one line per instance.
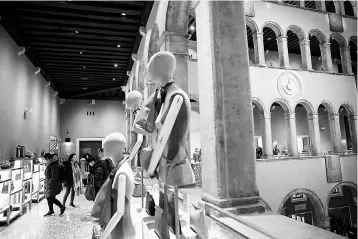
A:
(17, 177)
(27, 183)
(36, 182)
(42, 179)
(5, 188)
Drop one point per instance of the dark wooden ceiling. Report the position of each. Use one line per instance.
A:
(83, 48)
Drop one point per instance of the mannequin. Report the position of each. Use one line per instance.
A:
(120, 225)
(173, 124)
(133, 102)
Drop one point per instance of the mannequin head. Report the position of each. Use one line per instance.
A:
(113, 146)
(161, 67)
(133, 99)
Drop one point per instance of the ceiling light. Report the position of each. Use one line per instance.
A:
(115, 65)
(84, 88)
(269, 38)
(192, 28)
(114, 78)
(81, 52)
(123, 14)
(267, 51)
(118, 45)
(76, 32)
(84, 67)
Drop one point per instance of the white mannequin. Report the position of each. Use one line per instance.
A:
(133, 101)
(161, 69)
(123, 185)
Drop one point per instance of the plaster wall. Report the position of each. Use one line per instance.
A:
(109, 117)
(20, 89)
(275, 179)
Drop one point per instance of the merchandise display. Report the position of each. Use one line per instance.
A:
(27, 182)
(16, 178)
(4, 195)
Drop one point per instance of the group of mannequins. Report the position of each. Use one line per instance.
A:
(168, 161)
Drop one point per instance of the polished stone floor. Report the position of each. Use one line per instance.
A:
(74, 224)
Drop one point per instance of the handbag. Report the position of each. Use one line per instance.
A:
(102, 209)
(149, 204)
(197, 222)
(90, 193)
(145, 120)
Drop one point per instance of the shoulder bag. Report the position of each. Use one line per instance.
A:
(90, 193)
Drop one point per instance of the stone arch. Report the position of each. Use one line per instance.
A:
(274, 27)
(349, 108)
(252, 25)
(259, 104)
(315, 200)
(283, 103)
(339, 38)
(320, 36)
(341, 184)
(308, 106)
(298, 31)
(153, 42)
(353, 39)
(328, 106)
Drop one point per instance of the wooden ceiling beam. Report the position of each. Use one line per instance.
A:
(85, 56)
(95, 92)
(81, 47)
(76, 51)
(88, 60)
(72, 23)
(84, 63)
(71, 31)
(130, 19)
(50, 39)
(86, 8)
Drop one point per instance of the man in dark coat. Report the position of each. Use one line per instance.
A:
(52, 183)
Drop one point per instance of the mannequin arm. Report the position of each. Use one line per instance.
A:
(121, 190)
(164, 133)
(136, 147)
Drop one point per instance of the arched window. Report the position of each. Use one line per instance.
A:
(294, 38)
(271, 48)
(325, 131)
(353, 53)
(348, 9)
(310, 4)
(336, 54)
(250, 43)
(330, 7)
(192, 28)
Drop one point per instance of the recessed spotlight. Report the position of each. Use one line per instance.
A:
(115, 65)
(84, 67)
(118, 45)
(81, 52)
(76, 32)
(192, 28)
(123, 14)
(85, 88)
(114, 78)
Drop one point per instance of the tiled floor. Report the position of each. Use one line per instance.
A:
(74, 224)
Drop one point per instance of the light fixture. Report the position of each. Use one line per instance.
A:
(269, 38)
(123, 14)
(84, 67)
(267, 51)
(322, 128)
(192, 28)
(56, 93)
(115, 65)
(118, 45)
(76, 32)
(114, 78)
(81, 52)
(273, 107)
(48, 84)
(84, 88)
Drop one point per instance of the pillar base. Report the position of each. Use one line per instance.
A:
(239, 206)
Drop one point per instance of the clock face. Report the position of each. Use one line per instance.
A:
(289, 86)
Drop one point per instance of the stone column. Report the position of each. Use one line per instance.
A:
(291, 134)
(326, 56)
(178, 45)
(346, 60)
(283, 52)
(336, 136)
(302, 3)
(341, 7)
(352, 119)
(259, 49)
(337, 7)
(314, 134)
(306, 55)
(326, 223)
(226, 117)
(266, 134)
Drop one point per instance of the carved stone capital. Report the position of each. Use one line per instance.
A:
(312, 117)
(305, 42)
(290, 116)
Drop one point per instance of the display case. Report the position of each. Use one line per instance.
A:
(27, 182)
(42, 178)
(17, 177)
(35, 182)
(5, 188)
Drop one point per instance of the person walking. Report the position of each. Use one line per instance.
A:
(68, 181)
(52, 183)
(97, 173)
